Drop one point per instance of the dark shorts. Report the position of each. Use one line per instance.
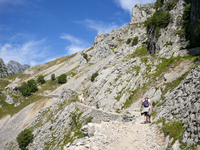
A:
(146, 114)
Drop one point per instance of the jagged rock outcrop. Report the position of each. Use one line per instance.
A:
(183, 103)
(4, 70)
(17, 67)
(141, 12)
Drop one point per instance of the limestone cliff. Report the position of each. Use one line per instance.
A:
(17, 67)
(4, 70)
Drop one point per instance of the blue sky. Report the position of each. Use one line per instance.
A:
(38, 31)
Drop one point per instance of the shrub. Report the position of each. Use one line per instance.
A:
(170, 5)
(27, 88)
(94, 75)
(158, 3)
(24, 89)
(32, 85)
(62, 79)
(24, 138)
(53, 77)
(135, 41)
(159, 20)
(128, 41)
(40, 79)
(85, 56)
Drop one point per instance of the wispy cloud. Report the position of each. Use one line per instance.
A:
(127, 5)
(31, 51)
(5, 4)
(100, 26)
(76, 44)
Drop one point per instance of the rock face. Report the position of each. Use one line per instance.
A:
(194, 27)
(141, 12)
(4, 70)
(184, 103)
(17, 67)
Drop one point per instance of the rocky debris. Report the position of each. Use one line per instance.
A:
(183, 103)
(1, 106)
(117, 136)
(17, 67)
(4, 70)
(127, 117)
(141, 12)
(17, 104)
(10, 100)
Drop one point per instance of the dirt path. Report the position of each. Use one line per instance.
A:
(117, 135)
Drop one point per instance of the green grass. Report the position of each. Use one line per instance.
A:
(10, 109)
(154, 113)
(130, 100)
(168, 43)
(173, 84)
(91, 48)
(174, 129)
(3, 84)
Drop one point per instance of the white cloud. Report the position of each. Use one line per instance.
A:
(12, 2)
(76, 44)
(31, 51)
(100, 26)
(127, 5)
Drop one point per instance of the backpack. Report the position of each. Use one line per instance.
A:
(146, 103)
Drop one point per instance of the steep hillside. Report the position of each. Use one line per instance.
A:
(120, 68)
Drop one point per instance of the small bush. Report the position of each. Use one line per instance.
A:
(40, 79)
(170, 5)
(24, 138)
(94, 75)
(159, 20)
(62, 79)
(85, 56)
(168, 43)
(135, 41)
(158, 3)
(128, 41)
(53, 77)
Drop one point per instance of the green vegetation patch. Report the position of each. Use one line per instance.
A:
(128, 41)
(168, 43)
(10, 109)
(3, 84)
(62, 79)
(94, 75)
(170, 5)
(160, 19)
(130, 100)
(140, 52)
(174, 129)
(135, 41)
(158, 4)
(24, 138)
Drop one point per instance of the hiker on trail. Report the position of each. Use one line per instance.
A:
(97, 105)
(147, 110)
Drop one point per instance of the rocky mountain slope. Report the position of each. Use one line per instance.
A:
(117, 72)
(4, 70)
(17, 67)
